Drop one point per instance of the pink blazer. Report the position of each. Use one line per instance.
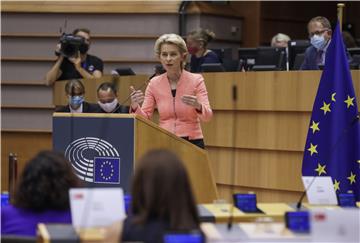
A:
(175, 116)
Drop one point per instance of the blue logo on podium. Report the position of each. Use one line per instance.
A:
(107, 170)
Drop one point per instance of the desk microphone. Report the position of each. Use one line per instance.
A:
(344, 132)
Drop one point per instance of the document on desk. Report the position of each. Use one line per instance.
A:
(94, 207)
(320, 190)
(266, 231)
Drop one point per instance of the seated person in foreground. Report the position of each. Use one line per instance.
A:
(180, 96)
(79, 65)
(162, 199)
(42, 195)
(107, 99)
(197, 42)
(75, 92)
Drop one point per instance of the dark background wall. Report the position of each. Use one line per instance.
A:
(262, 20)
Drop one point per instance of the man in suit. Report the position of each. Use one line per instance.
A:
(107, 99)
(75, 92)
(319, 29)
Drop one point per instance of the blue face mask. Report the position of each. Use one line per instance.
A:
(318, 41)
(76, 101)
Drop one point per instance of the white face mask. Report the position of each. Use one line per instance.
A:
(108, 107)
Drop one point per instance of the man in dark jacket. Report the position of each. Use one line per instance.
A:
(75, 92)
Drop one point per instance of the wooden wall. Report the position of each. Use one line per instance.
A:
(26, 144)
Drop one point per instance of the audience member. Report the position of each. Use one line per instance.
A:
(197, 42)
(81, 65)
(319, 29)
(162, 199)
(107, 99)
(75, 92)
(42, 195)
(180, 96)
(280, 40)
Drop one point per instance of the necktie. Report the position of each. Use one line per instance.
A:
(319, 57)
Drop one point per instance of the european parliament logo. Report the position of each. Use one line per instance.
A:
(89, 154)
(106, 170)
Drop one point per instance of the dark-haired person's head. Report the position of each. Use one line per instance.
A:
(161, 190)
(75, 91)
(85, 34)
(45, 182)
(107, 96)
(319, 29)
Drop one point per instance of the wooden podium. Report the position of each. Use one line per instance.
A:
(128, 137)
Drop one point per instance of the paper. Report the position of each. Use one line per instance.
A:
(94, 207)
(320, 190)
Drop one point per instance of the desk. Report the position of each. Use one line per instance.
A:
(220, 213)
(252, 232)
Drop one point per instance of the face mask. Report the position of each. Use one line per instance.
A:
(76, 101)
(193, 50)
(318, 41)
(108, 107)
(83, 48)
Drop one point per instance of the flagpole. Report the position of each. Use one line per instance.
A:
(340, 10)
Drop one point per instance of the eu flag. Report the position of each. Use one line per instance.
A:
(106, 170)
(333, 142)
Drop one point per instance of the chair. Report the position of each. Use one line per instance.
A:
(299, 59)
(223, 53)
(355, 64)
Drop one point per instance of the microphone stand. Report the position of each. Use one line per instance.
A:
(234, 99)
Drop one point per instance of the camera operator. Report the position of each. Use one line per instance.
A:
(79, 64)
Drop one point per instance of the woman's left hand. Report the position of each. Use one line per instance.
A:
(191, 100)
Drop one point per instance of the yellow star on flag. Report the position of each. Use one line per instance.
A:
(351, 178)
(320, 169)
(337, 185)
(312, 149)
(325, 108)
(333, 97)
(315, 126)
(349, 101)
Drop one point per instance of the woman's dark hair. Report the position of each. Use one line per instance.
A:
(161, 190)
(45, 183)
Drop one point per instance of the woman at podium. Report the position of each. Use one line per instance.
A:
(180, 96)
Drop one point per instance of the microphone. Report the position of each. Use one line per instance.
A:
(140, 87)
(157, 72)
(344, 132)
(234, 99)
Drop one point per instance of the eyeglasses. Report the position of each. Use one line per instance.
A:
(318, 32)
